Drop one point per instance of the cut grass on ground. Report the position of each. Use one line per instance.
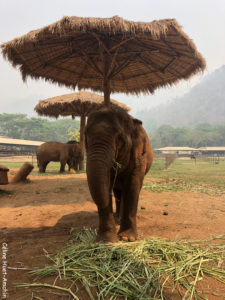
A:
(146, 269)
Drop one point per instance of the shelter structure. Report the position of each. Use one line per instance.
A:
(188, 151)
(10, 146)
(79, 104)
(107, 54)
(180, 151)
(212, 151)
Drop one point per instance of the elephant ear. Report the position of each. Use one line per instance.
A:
(137, 121)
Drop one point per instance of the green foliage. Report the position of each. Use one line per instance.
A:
(74, 134)
(19, 126)
(201, 136)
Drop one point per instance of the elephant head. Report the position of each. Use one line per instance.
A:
(111, 141)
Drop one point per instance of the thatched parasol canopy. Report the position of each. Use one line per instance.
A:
(106, 54)
(75, 104)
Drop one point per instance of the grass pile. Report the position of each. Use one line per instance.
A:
(146, 269)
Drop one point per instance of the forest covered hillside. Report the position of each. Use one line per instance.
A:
(204, 103)
(19, 126)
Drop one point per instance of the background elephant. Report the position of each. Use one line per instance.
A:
(118, 156)
(55, 151)
(78, 157)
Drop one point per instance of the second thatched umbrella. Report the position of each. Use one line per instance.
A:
(76, 104)
(107, 54)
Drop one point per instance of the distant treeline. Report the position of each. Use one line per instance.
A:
(19, 126)
(201, 136)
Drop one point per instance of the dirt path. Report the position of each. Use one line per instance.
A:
(42, 214)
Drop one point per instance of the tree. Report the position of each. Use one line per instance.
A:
(74, 134)
(19, 126)
(202, 135)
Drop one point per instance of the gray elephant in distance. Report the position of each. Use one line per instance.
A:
(56, 151)
(119, 155)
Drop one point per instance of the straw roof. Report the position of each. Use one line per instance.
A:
(75, 104)
(90, 52)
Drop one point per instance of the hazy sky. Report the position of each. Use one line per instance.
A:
(202, 20)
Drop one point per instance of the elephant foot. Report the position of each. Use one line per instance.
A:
(107, 237)
(129, 235)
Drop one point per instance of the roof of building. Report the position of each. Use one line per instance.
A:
(191, 149)
(9, 141)
(211, 149)
(177, 149)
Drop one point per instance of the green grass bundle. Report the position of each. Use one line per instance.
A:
(145, 269)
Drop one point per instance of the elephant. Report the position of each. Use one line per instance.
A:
(119, 155)
(78, 157)
(56, 151)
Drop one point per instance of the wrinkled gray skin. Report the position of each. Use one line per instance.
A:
(113, 138)
(55, 151)
(79, 157)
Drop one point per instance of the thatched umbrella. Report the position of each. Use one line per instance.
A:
(75, 104)
(106, 54)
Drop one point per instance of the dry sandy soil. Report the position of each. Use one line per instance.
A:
(42, 214)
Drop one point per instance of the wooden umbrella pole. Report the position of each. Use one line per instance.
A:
(82, 140)
(106, 81)
(107, 92)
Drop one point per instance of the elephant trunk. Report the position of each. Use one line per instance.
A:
(99, 164)
(98, 175)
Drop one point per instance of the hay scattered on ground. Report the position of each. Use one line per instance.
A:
(145, 269)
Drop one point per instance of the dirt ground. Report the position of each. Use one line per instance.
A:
(42, 214)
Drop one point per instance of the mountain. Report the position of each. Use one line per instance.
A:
(204, 103)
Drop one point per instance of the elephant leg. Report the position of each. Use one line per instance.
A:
(130, 196)
(100, 187)
(62, 166)
(42, 166)
(107, 227)
(118, 195)
(76, 165)
(70, 166)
